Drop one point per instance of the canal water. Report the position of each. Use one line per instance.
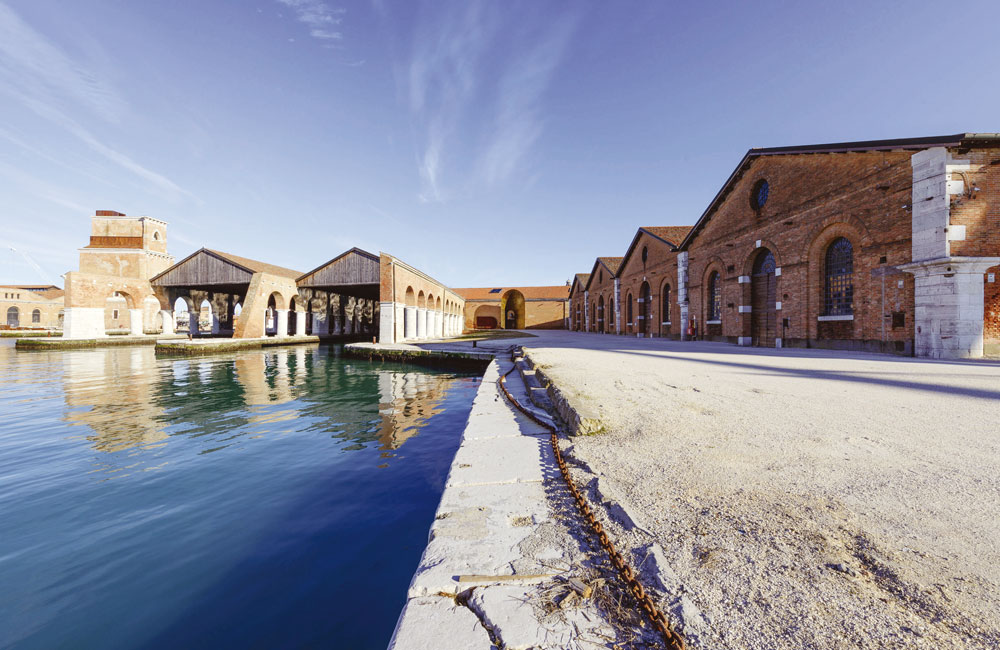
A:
(266, 499)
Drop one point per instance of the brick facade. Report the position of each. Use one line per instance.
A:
(651, 260)
(578, 302)
(602, 302)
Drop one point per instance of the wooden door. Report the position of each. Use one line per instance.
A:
(764, 291)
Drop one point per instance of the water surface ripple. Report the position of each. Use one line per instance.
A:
(266, 499)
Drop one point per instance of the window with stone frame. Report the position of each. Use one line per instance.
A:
(666, 304)
(714, 296)
(838, 283)
(36, 316)
(628, 310)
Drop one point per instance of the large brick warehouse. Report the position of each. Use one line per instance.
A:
(887, 246)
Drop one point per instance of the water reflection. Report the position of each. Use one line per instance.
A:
(129, 399)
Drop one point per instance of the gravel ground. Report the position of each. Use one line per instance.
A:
(802, 499)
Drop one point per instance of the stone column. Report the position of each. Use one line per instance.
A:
(193, 326)
(409, 323)
(948, 306)
(300, 323)
(281, 321)
(84, 323)
(135, 322)
(438, 324)
(682, 292)
(421, 323)
(167, 317)
(386, 322)
(586, 311)
(215, 323)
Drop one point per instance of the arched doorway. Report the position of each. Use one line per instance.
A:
(13, 317)
(487, 317)
(645, 309)
(512, 310)
(763, 295)
(600, 314)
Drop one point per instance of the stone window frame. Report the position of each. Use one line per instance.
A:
(838, 282)
(713, 297)
(36, 316)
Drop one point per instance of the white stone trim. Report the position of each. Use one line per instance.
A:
(836, 318)
(744, 340)
(757, 244)
(744, 279)
(777, 343)
(777, 272)
(777, 306)
(745, 309)
(713, 322)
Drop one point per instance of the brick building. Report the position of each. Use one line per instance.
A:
(602, 297)
(888, 246)
(516, 307)
(31, 306)
(647, 280)
(578, 302)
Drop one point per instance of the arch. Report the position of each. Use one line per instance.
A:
(646, 310)
(130, 302)
(430, 300)
(13, 317)
(487, 317)
(838, 276)
(36, 316)
(665, 295)
(763, 299)
(751, 258)
(437, 303)
(297, 303)
(713, 297)
(852, 230)
(629, 310)
(156, 235)
(278, 300)
(237, 309)
(602, 325)
(410, 298)
(512, 309)
(421, 300)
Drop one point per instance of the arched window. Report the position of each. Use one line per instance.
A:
(714, 296)
(13, 317)
(838, 289)
(628, 310)
(611, 314)
(36, 316)
(665, 316)
(645, 254)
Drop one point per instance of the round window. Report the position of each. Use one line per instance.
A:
(759, 195)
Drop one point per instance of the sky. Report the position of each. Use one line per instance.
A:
(486, 142)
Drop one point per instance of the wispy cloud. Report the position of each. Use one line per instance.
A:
(322, 20)
(50, 84)
(475, 83)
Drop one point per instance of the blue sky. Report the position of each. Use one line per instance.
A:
(486, 142)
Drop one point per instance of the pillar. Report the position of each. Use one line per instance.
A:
(281, 320)
(193, 326)
(586, 311)
(682, 292)
(386, 322)
(300, 323)
(438, 324)
(83, 323)
(409, 323)
(167, 316)
(215, 323)
(421, 323)
(948, 306)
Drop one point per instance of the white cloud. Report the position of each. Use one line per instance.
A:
(475, 83)
(322, 20)
(50, 84)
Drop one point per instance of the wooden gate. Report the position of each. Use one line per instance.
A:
(764, 292)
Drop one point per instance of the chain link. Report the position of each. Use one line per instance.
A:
(625, 572)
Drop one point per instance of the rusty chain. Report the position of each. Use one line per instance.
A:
(625, 572)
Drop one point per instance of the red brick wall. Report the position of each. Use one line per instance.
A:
(991, 306)
(602, 284)
(980, 212)
(814, 198)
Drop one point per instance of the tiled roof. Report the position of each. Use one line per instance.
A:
(257, 266)
(559, 292)
(613, 263)
(582, 279)
(673, 234)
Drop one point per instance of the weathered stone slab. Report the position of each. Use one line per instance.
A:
(521, 459)
(437, 622)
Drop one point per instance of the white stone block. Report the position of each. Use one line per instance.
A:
(438, 622)
(84, 323)
(745, 309)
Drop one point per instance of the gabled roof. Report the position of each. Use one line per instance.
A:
(353, 251)
(254, 265)
(915, 144)
(670, 235)
(557, 292)
(580, 280)
(612, 264)
(243, 263)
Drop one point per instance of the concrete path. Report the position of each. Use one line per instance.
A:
(794, 498)
(500, 548)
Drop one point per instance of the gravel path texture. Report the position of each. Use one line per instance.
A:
(797, 498)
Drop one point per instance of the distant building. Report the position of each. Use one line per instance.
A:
(516, 307)
(31, 306)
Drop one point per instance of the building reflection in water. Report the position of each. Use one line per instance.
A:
(130, 400)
